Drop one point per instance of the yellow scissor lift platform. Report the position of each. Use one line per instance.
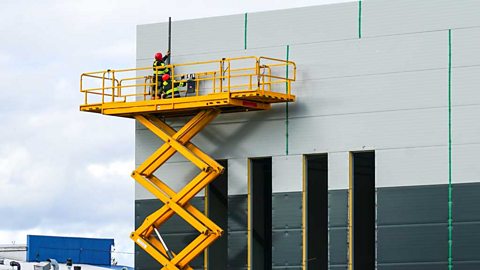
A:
(213, 87)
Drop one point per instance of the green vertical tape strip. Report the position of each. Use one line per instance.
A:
(359, 19)
(450, 201)
(245, 31)
(286, 105)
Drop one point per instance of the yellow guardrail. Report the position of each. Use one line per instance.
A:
(237, 74)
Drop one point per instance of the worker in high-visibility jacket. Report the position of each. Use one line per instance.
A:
(167, 89)
(159, 69)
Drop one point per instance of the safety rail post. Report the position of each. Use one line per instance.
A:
(263, 81)
(257, 71)
(229, 75)
(173, 82)
(269, 79)
(220, 82)
(103, 87)
(214, 81)
(81, 89)
(113, 86)
(155, 91)
(145, 88)
(197, 83)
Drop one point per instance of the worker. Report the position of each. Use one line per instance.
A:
(159, 69)
(167, 88)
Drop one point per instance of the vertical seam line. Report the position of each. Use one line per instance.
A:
(359, 19)
(450, 199)
(286, 104)
(245, 28)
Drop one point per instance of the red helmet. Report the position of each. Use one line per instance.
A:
(158, 56)
(165, 77)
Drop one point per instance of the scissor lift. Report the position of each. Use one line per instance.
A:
(220, 86)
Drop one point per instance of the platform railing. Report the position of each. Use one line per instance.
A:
(239, 74)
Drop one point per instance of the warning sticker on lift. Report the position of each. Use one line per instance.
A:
(249, 104)
(141, 243)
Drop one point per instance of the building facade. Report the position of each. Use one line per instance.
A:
(365, 167)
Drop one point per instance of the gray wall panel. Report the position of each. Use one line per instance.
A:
(286, 248)
(466, 197)
(338, 211)
(237, 213)
(177, 242)
(317, 23)
(287, 211)
(237, 250)
(412, 205)
(409, 244)
(394, 17)
(414, 266)
(143, 208)
(466, 265)
(338, 238)
(176, 233)
(466, 241)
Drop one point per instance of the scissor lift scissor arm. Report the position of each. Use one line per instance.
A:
(255, 92)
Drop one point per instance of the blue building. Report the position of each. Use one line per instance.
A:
(91, 251)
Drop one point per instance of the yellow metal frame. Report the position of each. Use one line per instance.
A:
(177, 203)
(242, 83)
(226, 85)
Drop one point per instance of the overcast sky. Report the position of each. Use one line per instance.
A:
(63, 172)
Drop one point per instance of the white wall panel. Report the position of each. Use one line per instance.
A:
(151, 38)
(465, 49)
(386, 92)
(237, 176)
(141, 193)
(387, 54)
(338, 170)
(192, 36)
(466, 124)
(465, 82)
(412, 166)
(465, 164)
(253, 138)
(287, 173)
(302, 25)
(380, 17)
(243, 139)
(396, 129)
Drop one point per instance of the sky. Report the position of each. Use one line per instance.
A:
(63, 172)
